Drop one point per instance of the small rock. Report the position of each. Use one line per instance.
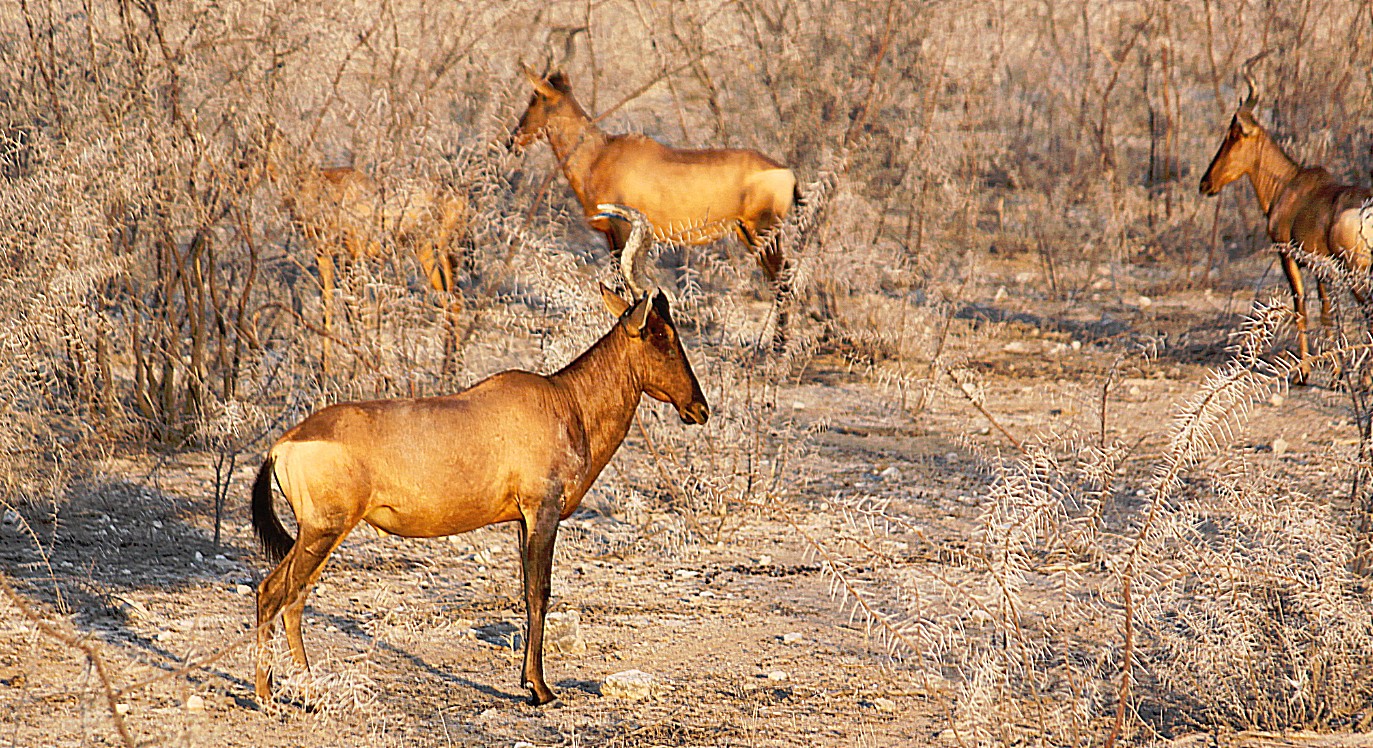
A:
(778, 675)
(524, 744)
(1077, 345)
(763, 560)
(792, 638)
(11, 517)
(1279, 445)
(243, 589)
(1276, 400)
(883, 704)
(1134, 390)
(163, 636)
(121, 709)
(195, 703)
(630, 685)
(798, 405)
(132, 609)
(199, 557)
(563, 633)
(685, 573)
(890, 473)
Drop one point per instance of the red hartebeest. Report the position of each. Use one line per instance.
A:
(690, 196)
(1304, 205)
(344, 214)
(516, 447)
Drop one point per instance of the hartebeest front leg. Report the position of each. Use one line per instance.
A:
(1289, 268)
(538, 531)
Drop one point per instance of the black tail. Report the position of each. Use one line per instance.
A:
(276, 541)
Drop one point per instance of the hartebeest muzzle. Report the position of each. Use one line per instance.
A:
(696, 413)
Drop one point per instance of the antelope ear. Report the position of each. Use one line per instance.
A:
(638, 319)
(613, 302)
(538, 82)
(1247, 122)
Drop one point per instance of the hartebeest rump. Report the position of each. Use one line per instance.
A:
(1304, 205)
(344, 214)
(690, 196)
(516, 447)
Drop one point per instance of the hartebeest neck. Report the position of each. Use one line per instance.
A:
(604, 387)
(576, 141)
(1271, 171)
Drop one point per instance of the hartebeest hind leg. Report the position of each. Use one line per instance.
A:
(284, 592)
(538, 532)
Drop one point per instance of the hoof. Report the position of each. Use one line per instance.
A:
(540, 696)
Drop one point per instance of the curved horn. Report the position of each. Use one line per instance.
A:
(566, 38)
(636, 247)
(1248, 71)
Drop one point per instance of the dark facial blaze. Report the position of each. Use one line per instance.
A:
(661, 335)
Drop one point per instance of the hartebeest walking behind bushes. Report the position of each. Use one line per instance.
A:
(516, 447)
(690, 196)
(344, 215)
(1304, 205)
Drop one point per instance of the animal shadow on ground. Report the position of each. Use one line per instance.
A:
(1189, 337)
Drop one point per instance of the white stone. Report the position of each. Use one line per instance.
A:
(562, 633)
(778, 675)
(792, 638)
(764, 560)
(243, 589)
(890, 473)
(121, 709)
(1276, 400)
(1279, 445)
(630, 685)
(195, 703)
(884, 705)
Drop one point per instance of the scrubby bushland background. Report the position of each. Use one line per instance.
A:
(157, 297)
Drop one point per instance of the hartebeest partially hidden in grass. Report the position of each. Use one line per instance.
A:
(345, 215)
(689, 196)
(1304, 205)
(516, 447)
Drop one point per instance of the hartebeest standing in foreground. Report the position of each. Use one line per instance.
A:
(344, 214)
(516, 447)
(1304, 205)
(690, 196)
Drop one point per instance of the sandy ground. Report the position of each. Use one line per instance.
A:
(417, 642)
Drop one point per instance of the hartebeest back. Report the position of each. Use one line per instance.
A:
(690, 196)
(344, 215)
(1304, 205)
(516, 447)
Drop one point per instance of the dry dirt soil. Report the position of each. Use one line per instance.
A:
(417, 642)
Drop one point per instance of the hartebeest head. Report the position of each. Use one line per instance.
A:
(552, 95)
(655, 349)
(1243, 144)
(656, 354)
